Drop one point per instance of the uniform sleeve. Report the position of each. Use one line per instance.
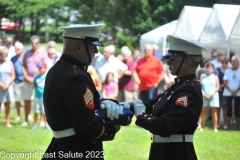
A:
(183, 106)
(80, 98)
(150, 103)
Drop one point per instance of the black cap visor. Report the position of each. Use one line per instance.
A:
(173, 53)
(97, 43)
(94, 41)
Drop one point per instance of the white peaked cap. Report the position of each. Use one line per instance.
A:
(189, 47)
(82, 31)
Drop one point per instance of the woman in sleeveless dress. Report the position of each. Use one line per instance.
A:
(7, 76)
(210, 87)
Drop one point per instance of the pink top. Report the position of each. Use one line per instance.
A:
(110, 89)
(32, 60)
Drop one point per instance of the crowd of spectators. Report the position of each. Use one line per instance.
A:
(22, 78)
(123, 76)
(220, 82)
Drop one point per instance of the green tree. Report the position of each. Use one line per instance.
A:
(126, 20)
(35, 10)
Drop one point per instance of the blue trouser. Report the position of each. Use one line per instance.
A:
(148, 94)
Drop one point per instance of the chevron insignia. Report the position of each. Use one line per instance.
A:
(182, 101)
(88, 98)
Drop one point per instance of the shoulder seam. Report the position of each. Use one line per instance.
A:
(71, 66)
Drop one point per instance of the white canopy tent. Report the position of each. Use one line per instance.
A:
(219, 26)
(191, 22)
(234, 38)
(158, 36)
(216, 28)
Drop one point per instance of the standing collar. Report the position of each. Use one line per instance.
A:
(184, 78)
(73, 61)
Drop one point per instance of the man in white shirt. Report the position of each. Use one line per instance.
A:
(109, 63)
(232, 91)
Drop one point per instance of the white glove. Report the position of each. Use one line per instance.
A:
(113, 109)
(139, 107)
(125, 105)
(134, 102)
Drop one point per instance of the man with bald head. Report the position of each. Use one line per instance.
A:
(112, 49)
(109, 63)
(150, 72)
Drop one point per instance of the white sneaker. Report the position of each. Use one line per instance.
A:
(18, 118)
(42, 124)
(30, 118)
(9, 125)
(225, 127)
(24, 124)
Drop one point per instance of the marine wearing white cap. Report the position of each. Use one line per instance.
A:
(184, 48)
(85, 32)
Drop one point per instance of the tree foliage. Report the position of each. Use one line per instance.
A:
(126, 20)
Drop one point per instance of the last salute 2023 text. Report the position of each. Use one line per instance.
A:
(87, 154)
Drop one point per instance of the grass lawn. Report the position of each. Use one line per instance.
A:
(132, 143)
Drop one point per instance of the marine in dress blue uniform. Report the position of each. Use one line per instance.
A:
(71, 99)
(172, 116)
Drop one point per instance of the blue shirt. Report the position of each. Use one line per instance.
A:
(17, 63)
(39, 83)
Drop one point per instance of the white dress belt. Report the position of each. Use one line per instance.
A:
(64, 133)
(172, 138)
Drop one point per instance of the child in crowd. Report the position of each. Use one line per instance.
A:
(110, 88)
(210, 87)
(38, 107)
